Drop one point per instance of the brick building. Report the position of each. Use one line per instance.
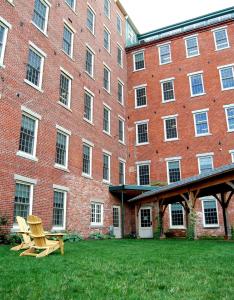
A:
(79, 113)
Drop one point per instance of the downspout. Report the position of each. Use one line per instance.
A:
(122, 214)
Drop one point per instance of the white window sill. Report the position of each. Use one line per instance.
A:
(107, 50)
(106, 181)
(11, 2)
(227, 89)
(108, 92)
(96, 226)
(88, 121)
(58, 229)
(92, 32)
(211, 226)
(230, 130)
(122, 143)
(87, 176)
(198, 95)
(89, 75)
(64, 106)
(166, 63)
(69, 56)
(34, 86)
(203, 135)
(72, 9)
(26, 155)
(121, 103)
(191, 56)
(222, 48)
(171, 140)
(139, 107)
(2, 66)
(168, 101)
(43, 32)
(142, 144)
(59, 167)
(138, 70)
(107, 133)
(177, 227)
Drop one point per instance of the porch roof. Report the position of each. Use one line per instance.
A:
(131, 191)
(216, 181)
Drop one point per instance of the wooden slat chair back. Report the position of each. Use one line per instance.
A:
(37, 231)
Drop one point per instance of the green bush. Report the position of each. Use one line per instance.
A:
(232, 232)
(4, 237)
(100, 236)
(73, 237)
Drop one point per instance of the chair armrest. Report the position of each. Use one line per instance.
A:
(54, 234)
(22, 232)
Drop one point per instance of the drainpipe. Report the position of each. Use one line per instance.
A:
(122, 214)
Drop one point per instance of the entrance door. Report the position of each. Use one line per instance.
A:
(145, 223)
(116, 222)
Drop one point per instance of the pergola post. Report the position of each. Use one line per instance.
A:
(161, 212)
(192, 215)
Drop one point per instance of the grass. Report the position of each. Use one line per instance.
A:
(126, 269)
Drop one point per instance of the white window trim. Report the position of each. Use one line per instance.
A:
(109, 39)
(95, 224)
(165, 131)
(202, 156)
(121, 24)
(168, 160)
(122, 56)
(203, 212)
(232, 155)
(142, 163)
(48, 6)
(186, 45)
(74, 6)
(72, 30)
(109, 78)
(177, 226)
(91, 94)
(135, 93)
(207, 118)
(7, 26)
(108, 154)
(90, 145)
(173, 84)
(122, 85)
(123, 161)
(94, 19)
(109, 115)
(134, 61)
(109, 15)
(120, 118)
(64, 191)
(68, 134)
(141, 123)
(226, 107)
(215, 42)
(70, 78)
(89, 49)
(159, 53)
(220, 76)
(190, 84)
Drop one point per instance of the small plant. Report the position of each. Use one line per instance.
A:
(100, 236)
(232, 232)
(73, 237)
(4, 220)
(158, 230)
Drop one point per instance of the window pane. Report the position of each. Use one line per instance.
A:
(119, 25)
(120, 92)
(121, 172)
(171, 129)
(192, 46)
(71, 3)
(168, 91)
(106, 40)
(119, 56)
(88, 107)
(201, 123)
(27, 135)
(227, 78)
(143, 175)
(145, 217)
(107, 8)
(139, 61)
(141, 96)
(221, 39)
(58, 209)
(230, 115)
(33, 67)
(121, 130)
(116, 217)
(61, 148)
(142, 133)
(86, 160)
(90, 20)
(106, 120)
(39, 14)
(89, 62)
(197, 84)
(106, 79)
(174, 171)
(206, 164)
(67, 40)
(22, 200)
(2, 33)
(177, 215)
(165, 54)
(64, 89)
(106, 167)
(96, 213)
(210, 212)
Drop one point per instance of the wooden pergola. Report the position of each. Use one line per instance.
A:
(218, 183)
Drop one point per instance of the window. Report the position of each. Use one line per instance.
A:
(192, 48)
(121, 131)
(107, 8)
(68, 37)
(40, 14)
(196, 84)
(23, 200)
(170, 128)
(168, 93)
(176, 215)
(142, 133)
(121, 172)
(201, 122)
(90, 23)
(229, 109)
(28, 136)
(87, 160)
(173, 171)
(139, 61)
(210, 212)
(221, 39)
(59, 209)
(65, 89)
(96, 214)
(120, 56)
(4, 26)
(232, 155)
(106, 167)
(120, 92)
(205, 163)
(89, 62)
(106, 79)
(140, 97)
(227, 77)
(143, 174)
(62, 141)
(71, 3)
(88, 106)
(106, 120)
(106, 39)
(164, 54)
(34, 68)
(119, 24)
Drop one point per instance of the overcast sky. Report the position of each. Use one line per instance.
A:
(153, 14)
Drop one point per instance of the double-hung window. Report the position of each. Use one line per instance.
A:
(62, 144)
(205, 163)
(143, 173)
(89, 62)
(59, 209)
(71, 3)
(96, 214)
(107, 39)
(221, 38)
(142, 133)
(120, 55)
(121, 130)
(35, 66)
(173, 170)
(170, 128)
(41, 14)
(120, 92)
(229, 110)
(140, 96)
(196, 84)
(65, 88)
(87, 159)
(121, 171)
(88, 106)
(68, 39)
(201, 123)
(139, 61)
(107, 8)
(168, 93)
(119, 24)
(90, 22)
(176, 215)
(192, 48)
(164, 54)
(210, 212)
(227, 77)
(106, 166)
(106, 78)
(23, 199)
(106, 119)
(232, 155)
(4, 26)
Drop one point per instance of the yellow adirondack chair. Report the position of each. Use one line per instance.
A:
(41, 243)
(23, 227)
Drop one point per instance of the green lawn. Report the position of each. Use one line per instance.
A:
(127, 269)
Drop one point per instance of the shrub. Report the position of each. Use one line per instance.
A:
(100, 236)
(232, 232)
(73, 237)
(4, 220)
